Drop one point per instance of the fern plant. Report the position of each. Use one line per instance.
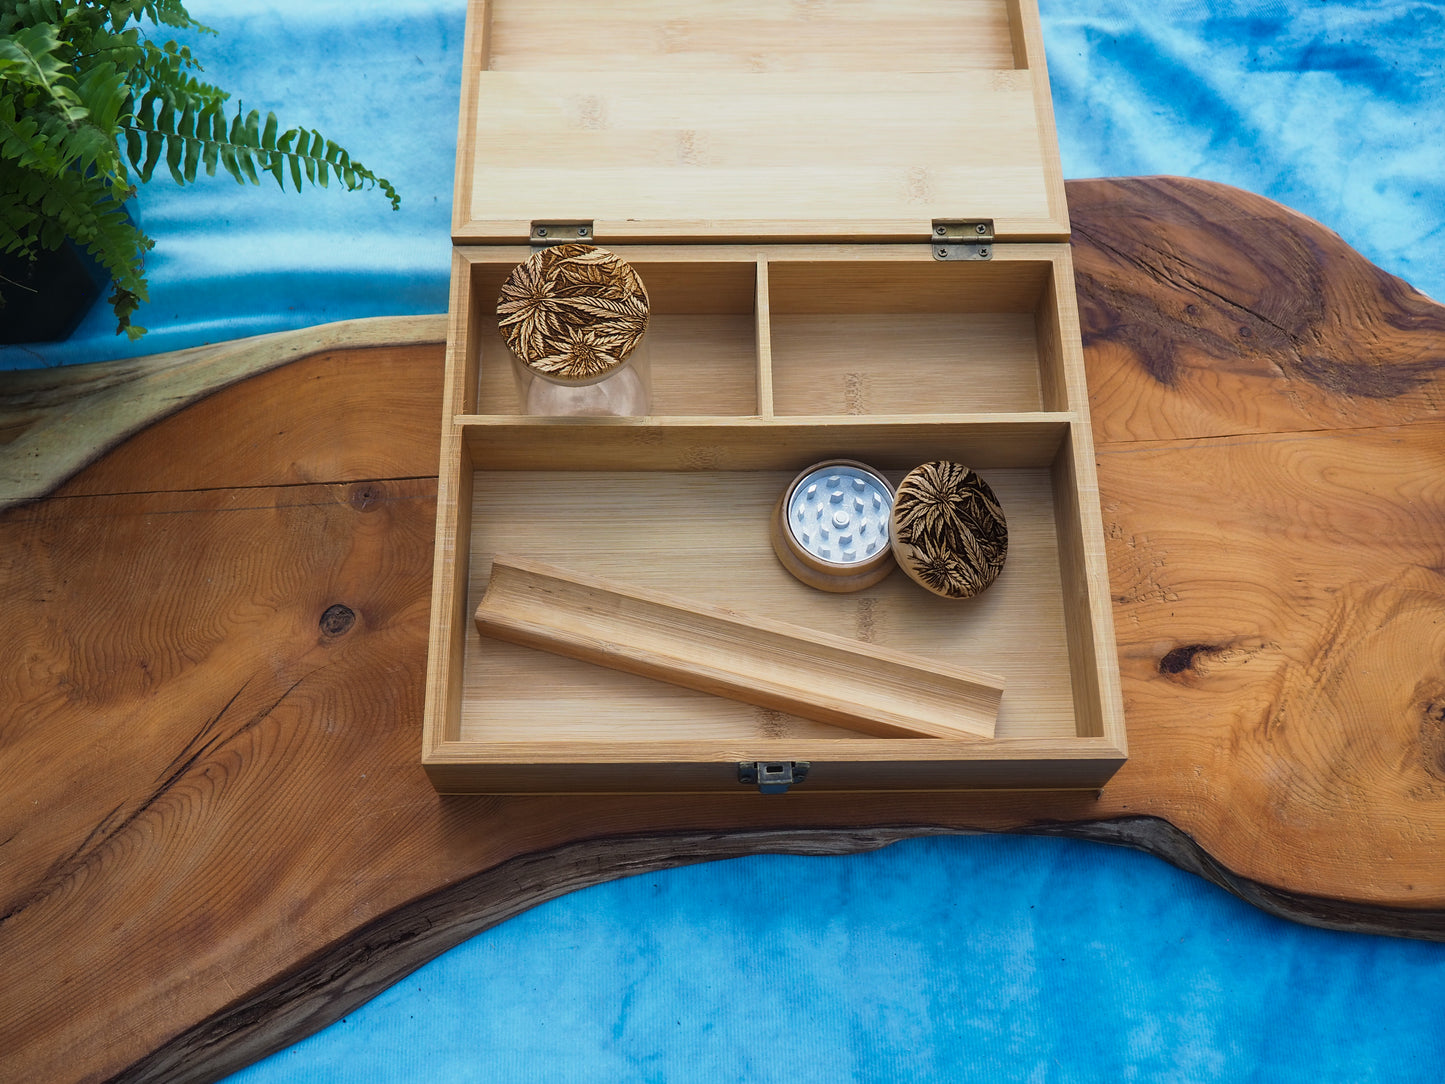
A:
(90, 105)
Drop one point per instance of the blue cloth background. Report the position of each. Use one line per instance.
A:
(958, 959)
(951, 959)
(1333, 108)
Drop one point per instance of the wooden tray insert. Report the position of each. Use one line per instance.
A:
(679, 502)
(849, 683)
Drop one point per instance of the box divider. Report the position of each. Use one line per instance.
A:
(764, 327)
(987, 441)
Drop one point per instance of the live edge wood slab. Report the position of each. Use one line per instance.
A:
(215, 834)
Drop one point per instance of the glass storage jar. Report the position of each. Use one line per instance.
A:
(575, 319)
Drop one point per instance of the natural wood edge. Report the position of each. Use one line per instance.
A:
(54, 422)
(321, 990)
(324, 988)
(1158, 837)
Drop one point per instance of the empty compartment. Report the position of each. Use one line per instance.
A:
(913, 337)
(701, 342)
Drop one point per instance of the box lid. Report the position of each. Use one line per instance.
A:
(759, 120)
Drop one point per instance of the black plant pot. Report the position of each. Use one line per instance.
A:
(45, 299)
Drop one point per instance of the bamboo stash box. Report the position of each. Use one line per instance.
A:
(850, 220)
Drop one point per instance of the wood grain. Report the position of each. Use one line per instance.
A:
(55, 421)
(215, 833)
(1219, 312)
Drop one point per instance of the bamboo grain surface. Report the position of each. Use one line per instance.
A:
(216, 834)
(595, 98)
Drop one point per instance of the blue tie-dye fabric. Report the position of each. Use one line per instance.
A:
(1334, 109)
(973, 959)
(959, 959)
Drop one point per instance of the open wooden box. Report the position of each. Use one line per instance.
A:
(777, 179)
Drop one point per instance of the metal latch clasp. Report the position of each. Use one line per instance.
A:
(971, 240)
(772, 776)
(546, 234)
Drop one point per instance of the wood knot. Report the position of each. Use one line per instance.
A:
(365, 496)
(337, 620)
(1432, 736)
(1182, 658)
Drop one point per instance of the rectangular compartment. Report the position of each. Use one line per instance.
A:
(527, 720)
(704, 536)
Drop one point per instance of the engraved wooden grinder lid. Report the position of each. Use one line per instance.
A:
(948, 530)
(573, 313)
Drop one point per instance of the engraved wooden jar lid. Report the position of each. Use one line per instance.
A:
(573, 313)
(948, 529)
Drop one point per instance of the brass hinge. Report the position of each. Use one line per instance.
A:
(545, 234)
(772, 776)
(962, 240)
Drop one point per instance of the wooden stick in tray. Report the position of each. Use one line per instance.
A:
(758, 661)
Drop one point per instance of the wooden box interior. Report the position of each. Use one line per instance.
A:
(763, 360)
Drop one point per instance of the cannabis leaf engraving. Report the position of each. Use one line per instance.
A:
(952, 528)
(573, 311)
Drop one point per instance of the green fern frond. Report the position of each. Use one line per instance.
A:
(28, 13)
(172, 13)
(195, 133)
(167, 68)
(86, 97)
(28, 57)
